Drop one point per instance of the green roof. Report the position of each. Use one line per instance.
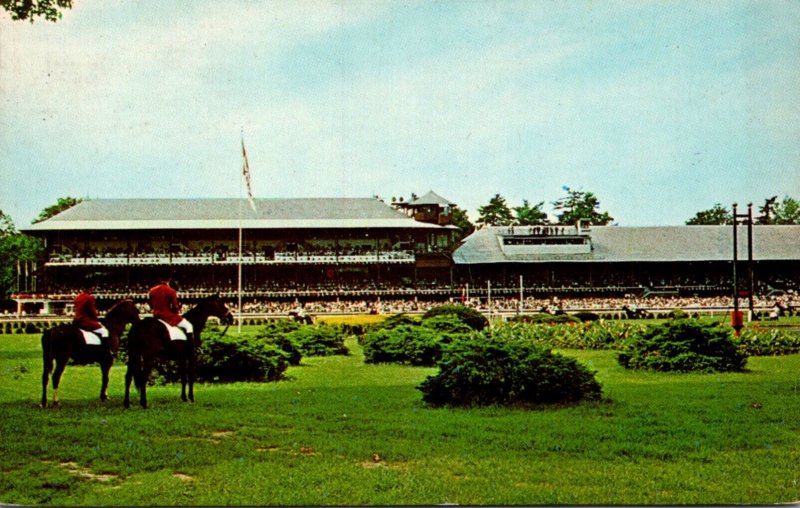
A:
(641, 244)
(305, 213)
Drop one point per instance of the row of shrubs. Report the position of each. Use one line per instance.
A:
(513, 363)
(20, 327)
(265, 357)
(416, 342)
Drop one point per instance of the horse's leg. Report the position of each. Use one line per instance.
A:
(192, 373)
(47, 364)
(61, 364)
(144, 376)
(182, 366)
(105, 367)
(128, 379)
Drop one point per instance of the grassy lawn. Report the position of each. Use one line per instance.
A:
(339, 432)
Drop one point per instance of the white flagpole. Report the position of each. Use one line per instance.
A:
(521, 300)
(239, 278)
(251, 201)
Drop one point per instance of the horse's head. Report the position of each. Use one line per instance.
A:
(126, 310)
(119, 315)
(218, 308)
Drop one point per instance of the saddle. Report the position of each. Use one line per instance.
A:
(90, 338)
(175, 333)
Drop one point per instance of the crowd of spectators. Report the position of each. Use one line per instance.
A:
(221, 253)
(367, 295)
(511, 305)
(495, 305)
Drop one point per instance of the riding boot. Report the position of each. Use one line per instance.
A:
(190, 337)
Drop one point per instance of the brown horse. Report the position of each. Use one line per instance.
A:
(149, 340)
(65, 341)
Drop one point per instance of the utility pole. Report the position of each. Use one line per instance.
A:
(736, 317)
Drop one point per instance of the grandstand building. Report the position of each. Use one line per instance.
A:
(286, 244)
(363, 248)
(674, 260)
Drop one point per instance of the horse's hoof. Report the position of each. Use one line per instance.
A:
(104, 398)
(43, 405)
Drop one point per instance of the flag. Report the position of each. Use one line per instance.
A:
(246, 174)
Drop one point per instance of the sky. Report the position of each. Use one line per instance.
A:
(661, 108)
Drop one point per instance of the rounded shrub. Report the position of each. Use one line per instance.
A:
(319, 340)
(238, 359)
(683, 345)
(412, 345)
(229, 359)
(500, 369)
(467, 315)
(447, 324)
(277, 332)
(394, 321)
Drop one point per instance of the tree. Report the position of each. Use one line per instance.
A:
(6, 225)
(580, 205)
(61, 205)
(766, 211)
(459, 219)
(715, 216)
(15, 247)
(30, 9)
(527, 215)
(787, 212)
(495, 213)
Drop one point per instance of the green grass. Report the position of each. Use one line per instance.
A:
(339, 432)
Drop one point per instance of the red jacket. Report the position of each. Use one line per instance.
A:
(164, 302)
(86, 312)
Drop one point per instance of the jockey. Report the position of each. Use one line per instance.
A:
(86, 312)
(163, 300)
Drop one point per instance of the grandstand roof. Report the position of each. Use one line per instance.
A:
(295, 213)
(431, 198)
(643, 244)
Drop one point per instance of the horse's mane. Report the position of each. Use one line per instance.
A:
(118, 306)
(199, 307)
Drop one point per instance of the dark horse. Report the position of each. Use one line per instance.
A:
(149, 340)
(65, 341)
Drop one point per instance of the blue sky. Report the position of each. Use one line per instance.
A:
(660, 108)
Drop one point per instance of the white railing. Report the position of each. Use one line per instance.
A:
(280, 258)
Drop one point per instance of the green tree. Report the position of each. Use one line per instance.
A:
(718, 215)
(30, 9)
(527, 215)
(6, 225)
(459, 219)
(580, 205)
(495, 213)
(61, 205)
(787, 212)
(14, 247)
(767, 211)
